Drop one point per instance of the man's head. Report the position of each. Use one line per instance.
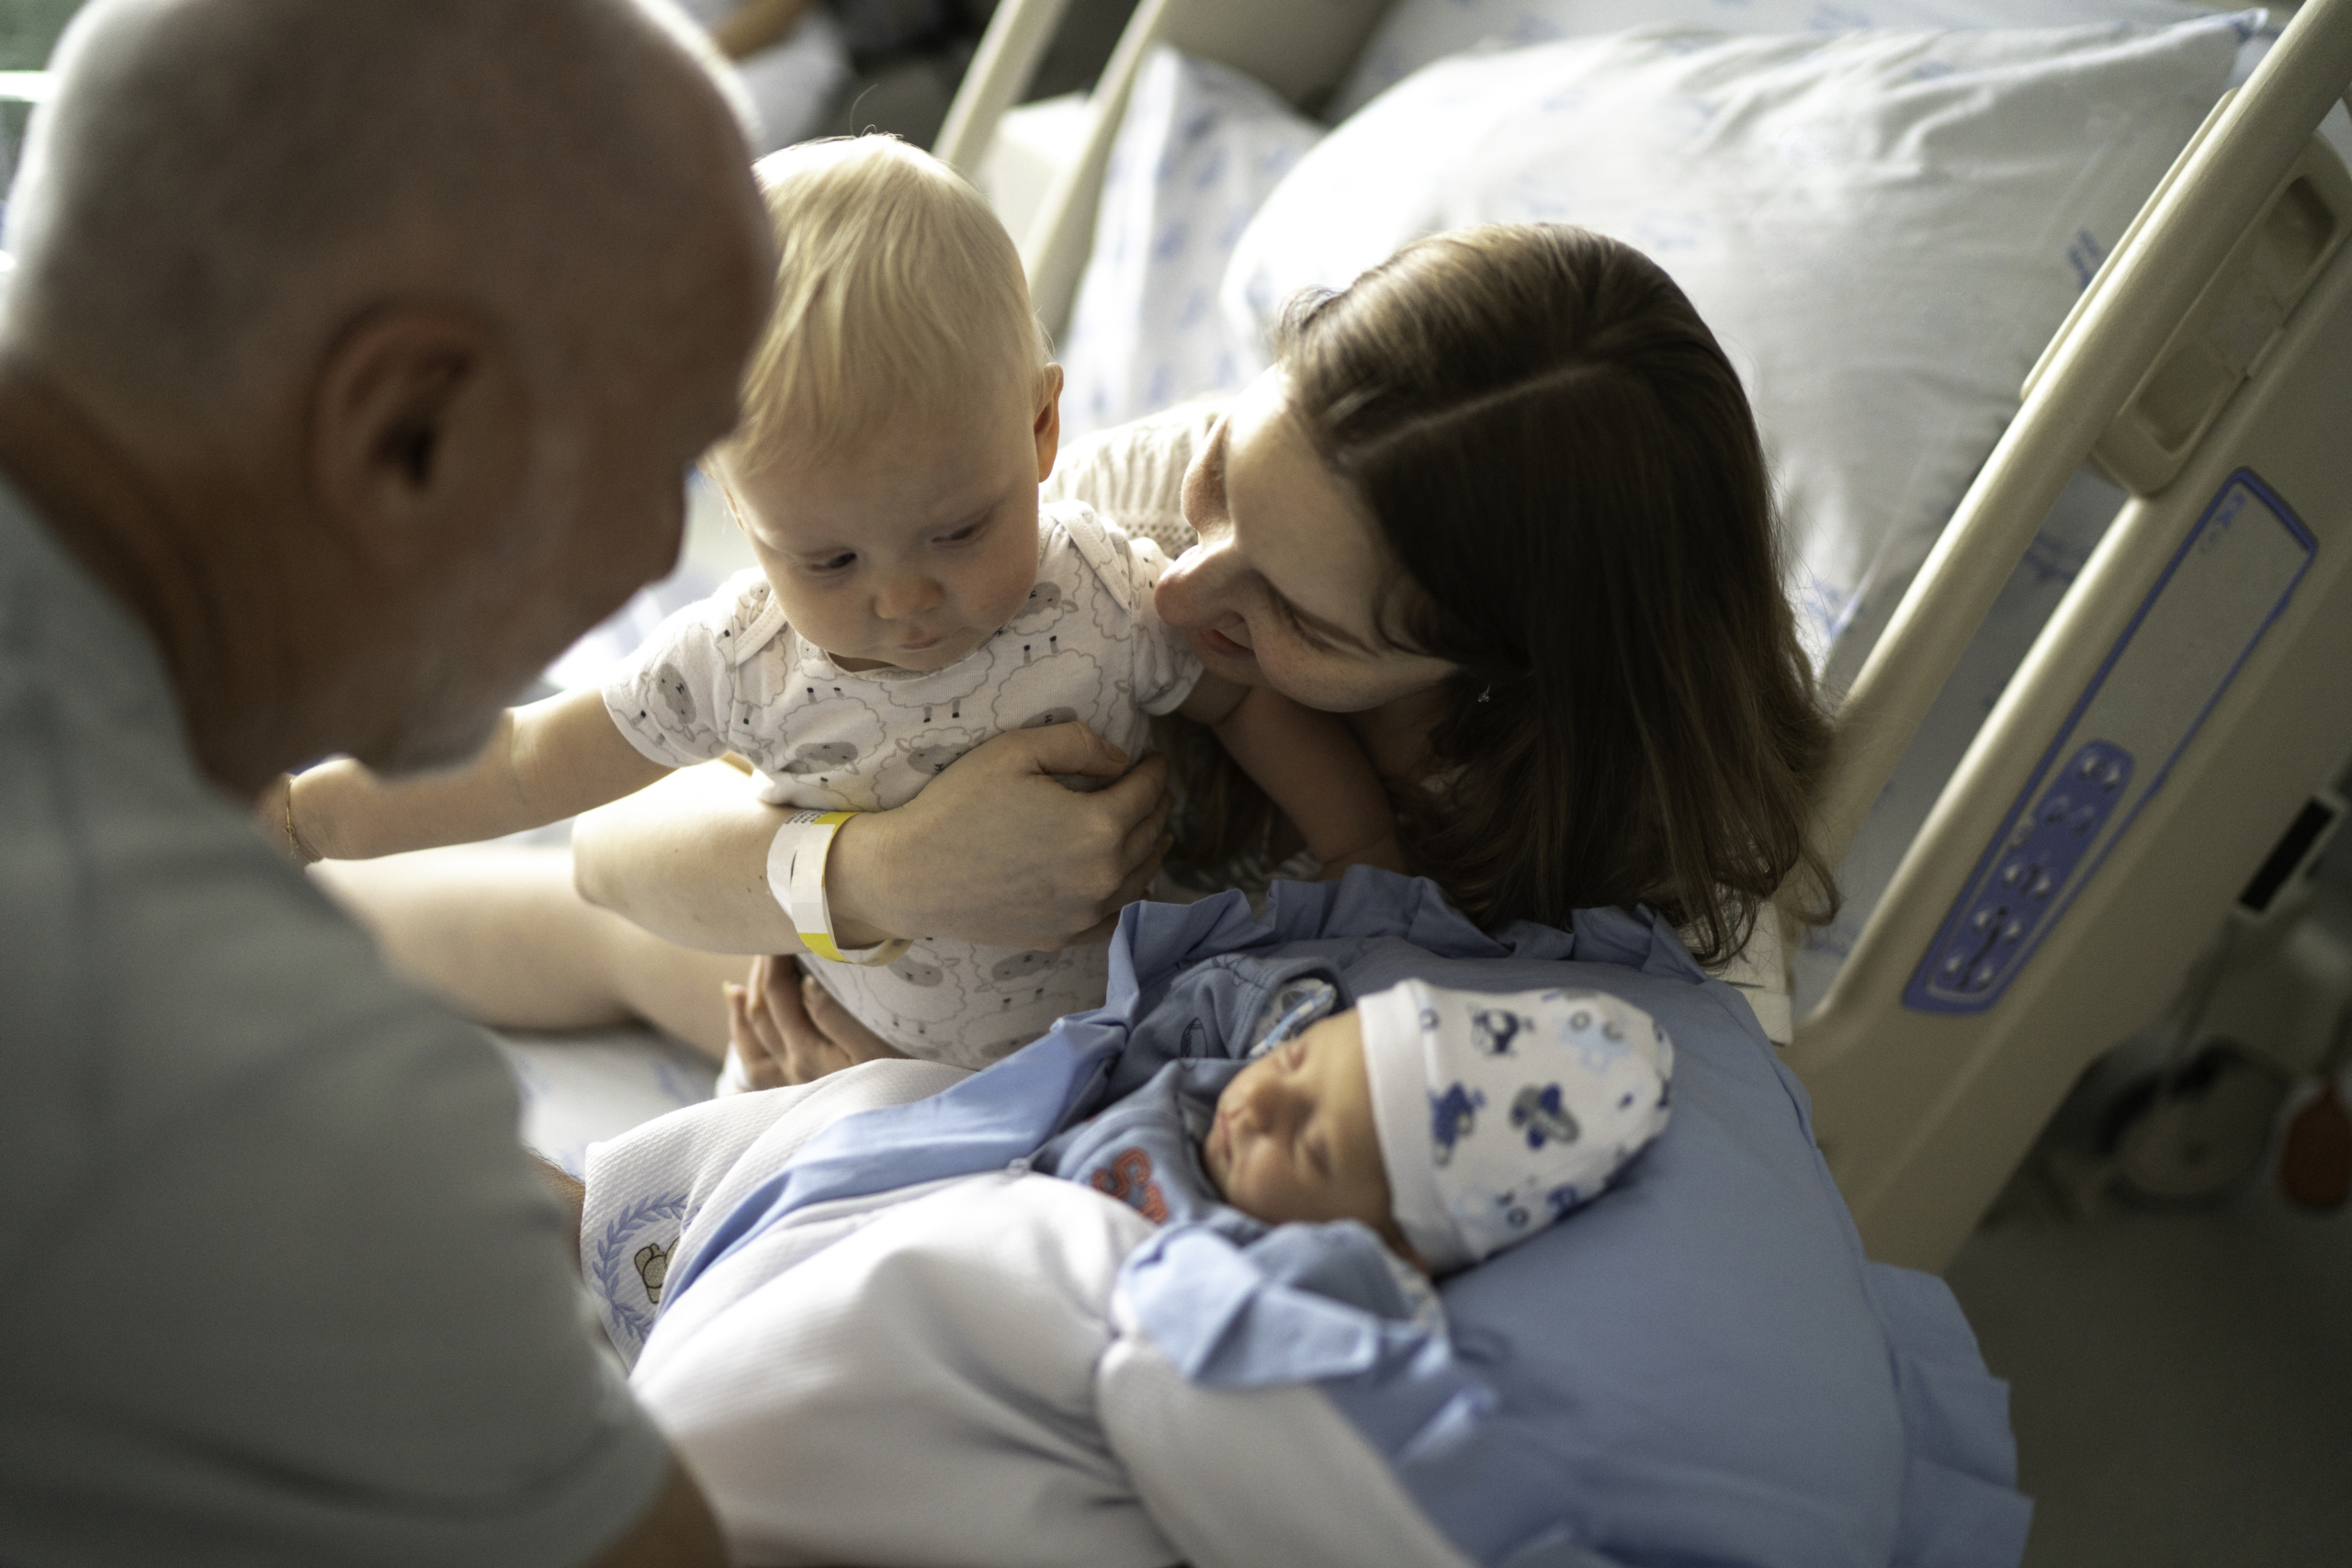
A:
(411, 313)
(898, 414)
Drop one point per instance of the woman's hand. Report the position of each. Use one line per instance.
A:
(995, 851)
(787, 1029)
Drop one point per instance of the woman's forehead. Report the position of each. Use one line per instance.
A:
(1302, 528)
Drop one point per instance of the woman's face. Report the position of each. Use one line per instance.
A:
(1285, 586)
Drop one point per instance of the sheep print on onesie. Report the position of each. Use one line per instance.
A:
(728, 674)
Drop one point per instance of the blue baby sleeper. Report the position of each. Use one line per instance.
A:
(1699, 1367)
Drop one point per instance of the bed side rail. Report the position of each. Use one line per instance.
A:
(1016, 40)
(1299, 48)
(2181, 705)
(2222, 180)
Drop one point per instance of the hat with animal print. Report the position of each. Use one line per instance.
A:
(1498, 1114)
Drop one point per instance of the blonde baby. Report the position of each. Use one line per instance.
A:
(912, 599)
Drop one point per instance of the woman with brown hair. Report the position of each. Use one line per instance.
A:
(1501, 501)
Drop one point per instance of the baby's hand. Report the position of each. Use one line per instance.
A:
(274, 815)
(787, 1029)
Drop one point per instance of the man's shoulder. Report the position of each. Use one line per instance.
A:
(155, 952)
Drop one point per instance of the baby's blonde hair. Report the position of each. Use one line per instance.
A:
(897, 292)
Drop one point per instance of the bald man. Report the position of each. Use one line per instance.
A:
(354, 353)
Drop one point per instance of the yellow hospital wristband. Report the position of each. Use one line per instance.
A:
(797, 878)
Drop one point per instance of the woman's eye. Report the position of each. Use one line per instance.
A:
(1298, 628)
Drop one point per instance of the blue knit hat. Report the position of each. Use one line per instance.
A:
(1498, 1114)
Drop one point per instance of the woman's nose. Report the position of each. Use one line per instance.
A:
(1193, 592)
(904, 596)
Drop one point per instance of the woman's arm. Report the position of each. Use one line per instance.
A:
(1311, 767)
(992, 851)
(498, 932)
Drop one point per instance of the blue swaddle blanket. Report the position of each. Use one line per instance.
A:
(1701, 1366)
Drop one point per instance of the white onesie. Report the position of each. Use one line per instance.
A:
(728, 674)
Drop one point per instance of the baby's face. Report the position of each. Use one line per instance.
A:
(1294, 1137)
(912, 549)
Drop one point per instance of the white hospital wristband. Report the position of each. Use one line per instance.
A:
(797, 878)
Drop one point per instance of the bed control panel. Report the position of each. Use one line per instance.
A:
(2039, 857)
(2222, 590)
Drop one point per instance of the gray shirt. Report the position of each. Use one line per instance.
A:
(280, 1286)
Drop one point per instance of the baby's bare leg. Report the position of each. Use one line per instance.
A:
(498, 932)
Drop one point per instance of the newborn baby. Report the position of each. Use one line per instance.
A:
(909, 1290)
(1451, 1124)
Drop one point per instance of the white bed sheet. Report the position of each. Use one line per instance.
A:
(582, 1088)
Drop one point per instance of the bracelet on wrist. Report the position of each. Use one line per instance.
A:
(797, 857)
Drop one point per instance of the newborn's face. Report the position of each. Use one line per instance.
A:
(1295, 1139)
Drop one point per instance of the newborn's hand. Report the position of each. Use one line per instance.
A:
(784, 1028)
(995, 852)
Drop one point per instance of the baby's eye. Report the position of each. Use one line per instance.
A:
(841, 562)
(964, 535)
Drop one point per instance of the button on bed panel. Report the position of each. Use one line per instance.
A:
(2228, 581)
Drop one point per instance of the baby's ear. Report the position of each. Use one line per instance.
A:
(1049, 424)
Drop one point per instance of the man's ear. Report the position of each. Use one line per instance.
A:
(419, 432)
(1049, 420)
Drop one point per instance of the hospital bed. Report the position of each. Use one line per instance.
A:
(2208, 369)
(1923, 1100)
(2159, 757)
(2169, 731)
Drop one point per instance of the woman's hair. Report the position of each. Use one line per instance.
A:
(1566, 471)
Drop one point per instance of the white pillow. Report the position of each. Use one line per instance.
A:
(1883, 229)
(1200, 148)
(1417, 32)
